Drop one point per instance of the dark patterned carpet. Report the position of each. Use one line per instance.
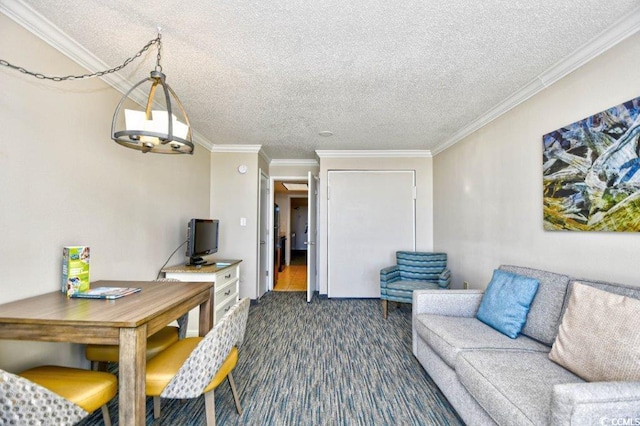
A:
(331, 362)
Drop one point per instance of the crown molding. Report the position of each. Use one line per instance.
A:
(44, 29)
(614, 34)
(294, 162)
(397, 153)
(264, 156)
(249, 149)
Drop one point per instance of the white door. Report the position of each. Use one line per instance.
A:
(263, 235)
(371, 216)
(312, 236)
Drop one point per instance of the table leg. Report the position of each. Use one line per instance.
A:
(206, 316)
(132, 370)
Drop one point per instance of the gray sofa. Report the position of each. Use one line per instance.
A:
(492, 379)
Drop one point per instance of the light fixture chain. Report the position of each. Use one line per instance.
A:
(95, 74)
(158, 66)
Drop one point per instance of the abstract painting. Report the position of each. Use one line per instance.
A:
(591, 172)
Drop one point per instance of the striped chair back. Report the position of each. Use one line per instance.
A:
(420, 266)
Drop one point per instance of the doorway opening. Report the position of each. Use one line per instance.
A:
(290, 235)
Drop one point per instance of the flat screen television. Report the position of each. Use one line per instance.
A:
(202, 239)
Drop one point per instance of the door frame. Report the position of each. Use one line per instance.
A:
(272, 201)
(313, 209)
(260, 271)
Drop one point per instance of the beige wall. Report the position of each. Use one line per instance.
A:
(488, 188)
(293, 170)
(235, 196)
(64, 182)
(424, 198)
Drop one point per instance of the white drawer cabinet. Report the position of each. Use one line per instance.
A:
(225, 276)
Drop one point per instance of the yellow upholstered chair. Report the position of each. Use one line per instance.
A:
(101, 355)
(197, 365)
(51, 395)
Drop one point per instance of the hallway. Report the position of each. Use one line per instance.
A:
(292, 278)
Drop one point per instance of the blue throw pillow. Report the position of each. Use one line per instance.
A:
(505, 304)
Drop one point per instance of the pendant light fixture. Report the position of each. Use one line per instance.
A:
(157, 128)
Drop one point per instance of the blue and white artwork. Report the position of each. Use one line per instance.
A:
(591, 172)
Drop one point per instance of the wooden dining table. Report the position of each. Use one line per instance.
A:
(126, 321)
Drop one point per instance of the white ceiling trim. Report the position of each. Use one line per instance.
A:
(613, 35)
(40, 26)
(293, 162)
(616, 33)
(264, 156)
(250, 149)
(247, 149)
(397, 153)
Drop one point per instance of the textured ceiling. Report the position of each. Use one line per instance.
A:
(378, 74)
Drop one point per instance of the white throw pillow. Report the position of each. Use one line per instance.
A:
(599, 338)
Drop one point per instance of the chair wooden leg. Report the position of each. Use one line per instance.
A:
(156, 407)
(105, 415)
(234, 391)
(385, 308)
(210, 408)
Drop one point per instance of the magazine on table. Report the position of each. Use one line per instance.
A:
(106, 292)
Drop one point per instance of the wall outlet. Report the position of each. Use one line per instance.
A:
(465, 285)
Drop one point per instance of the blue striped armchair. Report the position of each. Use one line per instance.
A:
(413, 271)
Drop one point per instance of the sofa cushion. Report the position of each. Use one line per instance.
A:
(506, 302)
(514, 387)
(447, 336)
(591, 349)
(546, 309)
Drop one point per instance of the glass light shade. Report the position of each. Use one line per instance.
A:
(136, 122)
(151, 130)
(160, 120)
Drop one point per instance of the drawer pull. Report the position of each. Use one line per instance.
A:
(228, 292)
(227, 310)
(227, 276)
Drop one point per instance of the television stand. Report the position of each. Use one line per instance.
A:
(225, 274)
